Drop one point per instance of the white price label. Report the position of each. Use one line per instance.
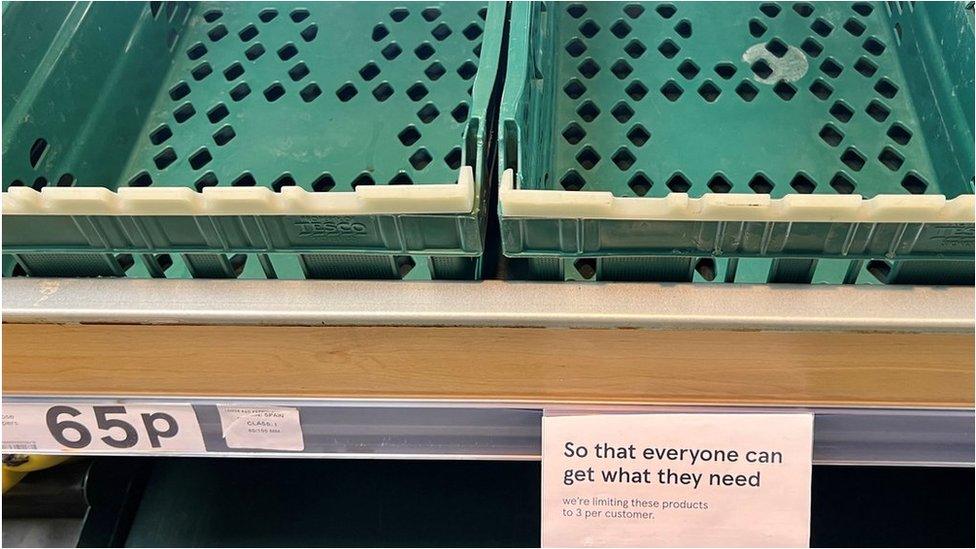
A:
(87, 428)
(262, 428)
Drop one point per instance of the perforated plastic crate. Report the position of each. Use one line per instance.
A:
(350, 137)
(737, 141)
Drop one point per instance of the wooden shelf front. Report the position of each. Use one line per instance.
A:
(539, 365)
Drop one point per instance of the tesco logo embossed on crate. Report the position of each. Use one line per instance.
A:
(317, 227)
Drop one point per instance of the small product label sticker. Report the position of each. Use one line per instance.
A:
(107, 429)
(676, 480)
(262, 428)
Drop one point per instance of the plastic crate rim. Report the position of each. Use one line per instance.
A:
(448, 198)
(514, 202)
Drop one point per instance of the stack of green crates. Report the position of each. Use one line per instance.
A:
(266, 140)
(739, 142)
(824, 142)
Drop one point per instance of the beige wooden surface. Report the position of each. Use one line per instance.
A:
(511, 364)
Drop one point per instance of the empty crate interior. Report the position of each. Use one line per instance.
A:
(324, 96)
(645, 99)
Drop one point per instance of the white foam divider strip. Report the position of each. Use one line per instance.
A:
(734, 207)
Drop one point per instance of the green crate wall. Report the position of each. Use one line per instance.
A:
(651, 100)
(321, 96)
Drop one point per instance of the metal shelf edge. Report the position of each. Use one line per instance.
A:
(415, 429)
(490, 303)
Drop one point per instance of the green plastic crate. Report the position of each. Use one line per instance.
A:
(738, 141)
(349, 136)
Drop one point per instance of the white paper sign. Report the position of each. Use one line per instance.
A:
(85, 428)
(262, 428)
(676, 480)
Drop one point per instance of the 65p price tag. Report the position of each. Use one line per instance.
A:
(96, 428)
